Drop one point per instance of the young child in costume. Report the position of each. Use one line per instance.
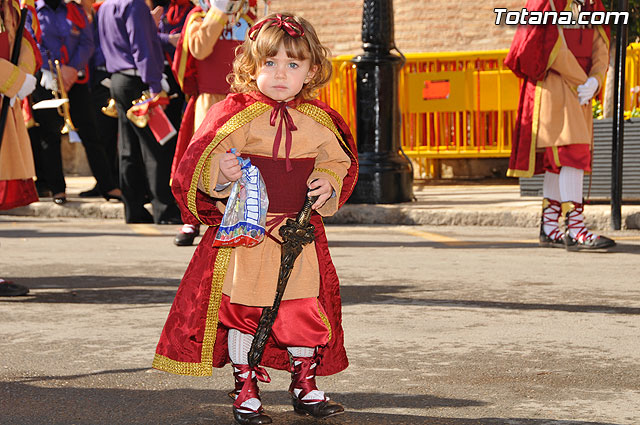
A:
(298, 144)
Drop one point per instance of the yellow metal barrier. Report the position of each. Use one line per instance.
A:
(455, 105)
(449, 105)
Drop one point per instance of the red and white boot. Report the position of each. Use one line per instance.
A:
(305, 396)
(577, 237)
(247, 406)
(550, 234)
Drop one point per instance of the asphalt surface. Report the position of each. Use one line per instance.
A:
(443, 325)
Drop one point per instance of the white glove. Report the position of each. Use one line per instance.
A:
(28, 86)
(165, 83)
(227, 6)
(587, 90)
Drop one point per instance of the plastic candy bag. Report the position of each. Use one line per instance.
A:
(245, 216)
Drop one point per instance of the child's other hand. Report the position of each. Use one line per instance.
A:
(323, 189)
(230, 170)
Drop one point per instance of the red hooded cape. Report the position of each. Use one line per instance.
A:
(532, 52)
(192, 343)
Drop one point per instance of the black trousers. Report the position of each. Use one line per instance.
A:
(145, 165)
(83, 117)
(107, 126)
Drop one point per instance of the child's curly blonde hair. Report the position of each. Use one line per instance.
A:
(252, 54)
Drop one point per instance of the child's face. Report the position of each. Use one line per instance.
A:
(281, 77)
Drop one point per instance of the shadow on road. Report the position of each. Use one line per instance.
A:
(86, 289)
(406, 295)
(59, 400)
(33, 233)
(144, 290)
(619, 248)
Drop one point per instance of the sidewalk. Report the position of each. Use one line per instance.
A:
(469, 204)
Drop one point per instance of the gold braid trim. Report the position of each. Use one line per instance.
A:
(235, 122)
(11, 80)
(205, 367)
(206, 176)
(321, 116)
(325, 319)
(332, 174)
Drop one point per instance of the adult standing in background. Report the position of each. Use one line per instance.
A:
(133, 54)
(563, 68)
(202, 62)
(100, 95)
(67, 36)
(16, 161)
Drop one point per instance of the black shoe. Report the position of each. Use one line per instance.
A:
(185, 239)
(253, 418)
(323, 409)
(110, 197)
(60, 200)
(597, 243)
(175, 220)
(44, 193)
(546, 242)
(91, 193)
(10, 289)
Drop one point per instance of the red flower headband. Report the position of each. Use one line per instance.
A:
(286, 24)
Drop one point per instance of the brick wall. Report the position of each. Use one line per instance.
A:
(420, 25)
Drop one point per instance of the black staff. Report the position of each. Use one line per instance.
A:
(295, 234)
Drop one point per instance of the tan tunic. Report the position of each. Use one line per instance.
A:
(563, 121)
(203, 35)
(253, 272)
(16, 158)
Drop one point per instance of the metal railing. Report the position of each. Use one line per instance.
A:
(455, 104)
(448, 102)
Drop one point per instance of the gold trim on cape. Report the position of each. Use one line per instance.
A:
(321, 116)
(182, 66)
(235, 122)
(325, 319)
(205, 367)
(534, 136)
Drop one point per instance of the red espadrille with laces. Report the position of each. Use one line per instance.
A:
(305, 396)
(577, 237)
(550, 234)
(247, 407)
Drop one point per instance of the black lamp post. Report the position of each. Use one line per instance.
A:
(617, 146)
(385, 176)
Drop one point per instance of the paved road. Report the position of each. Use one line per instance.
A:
(444, 325)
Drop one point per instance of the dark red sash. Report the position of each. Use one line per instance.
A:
(211, 72)
(286, 190)
(4, 45)
(580, 42)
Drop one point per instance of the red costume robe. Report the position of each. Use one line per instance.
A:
(16, 159)
(192, 342)
(531, 56)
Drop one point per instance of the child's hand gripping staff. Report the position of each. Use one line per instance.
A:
(295, 234)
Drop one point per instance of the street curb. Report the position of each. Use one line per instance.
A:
(367, 214)
(398, 215)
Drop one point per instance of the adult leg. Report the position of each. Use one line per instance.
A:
(577, 236)
(50, 124)
(550, 234)
(83, 117)
(133, 183)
